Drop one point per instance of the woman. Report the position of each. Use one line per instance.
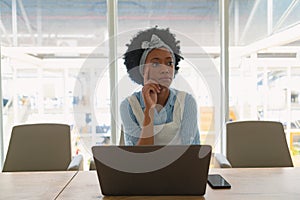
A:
(158, 114)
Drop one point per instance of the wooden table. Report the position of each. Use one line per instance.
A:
(264, 183)
(33, 185)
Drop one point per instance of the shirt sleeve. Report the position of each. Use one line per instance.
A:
(132, 130)
(189, 124)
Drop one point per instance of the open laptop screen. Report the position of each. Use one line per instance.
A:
(152, 170)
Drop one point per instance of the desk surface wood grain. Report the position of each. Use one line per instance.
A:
(263, 183)
(33, 185)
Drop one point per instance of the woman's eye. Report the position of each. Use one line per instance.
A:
(170, 63)
(155, 64)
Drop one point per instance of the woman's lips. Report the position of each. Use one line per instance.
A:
(165, 79)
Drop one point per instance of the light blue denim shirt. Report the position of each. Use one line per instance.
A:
(188, 129)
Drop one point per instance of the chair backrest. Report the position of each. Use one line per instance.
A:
(257, 144)
(38, 147)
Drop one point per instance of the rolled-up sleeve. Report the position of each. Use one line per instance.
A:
(189, 124)
(132, 129)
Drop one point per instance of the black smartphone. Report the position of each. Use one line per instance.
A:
(216, 181)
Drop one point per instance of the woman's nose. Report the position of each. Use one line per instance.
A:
(164, 69)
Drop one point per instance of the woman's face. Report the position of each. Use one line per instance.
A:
(159, 66)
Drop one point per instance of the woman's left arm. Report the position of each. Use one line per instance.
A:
(189, 124)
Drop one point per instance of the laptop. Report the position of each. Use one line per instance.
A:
(152, 170)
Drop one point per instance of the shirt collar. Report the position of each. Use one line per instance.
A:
(170, 101)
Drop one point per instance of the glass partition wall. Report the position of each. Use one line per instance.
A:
(264, 64)
(52, 54)
(55, 63)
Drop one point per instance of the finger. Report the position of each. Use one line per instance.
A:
(153, 96)
(147, 79)
(150, 96)
(153, 84)
(148, 88)
(157, 87)
(146, 74)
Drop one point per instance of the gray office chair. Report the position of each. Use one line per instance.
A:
(41, 147)
(255, 144)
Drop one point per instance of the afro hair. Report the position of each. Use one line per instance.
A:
(134, 52)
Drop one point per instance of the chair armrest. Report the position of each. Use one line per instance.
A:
(76, 163)
(222, 161)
